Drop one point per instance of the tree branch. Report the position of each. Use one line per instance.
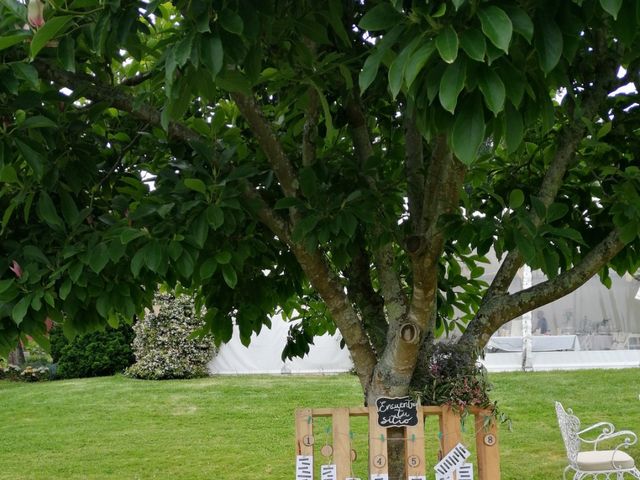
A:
(369, 302)
(114, 96)
(500, 309)
(268, 142)
(328, 285)
(414, 168)
(570, 139)
(310, 132)
(396, 303)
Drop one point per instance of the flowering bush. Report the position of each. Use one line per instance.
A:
(28, 374)
(452, 376)
(163, 344)
(35, 374)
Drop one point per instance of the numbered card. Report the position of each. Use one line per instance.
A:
(304, 467)
(328, 472)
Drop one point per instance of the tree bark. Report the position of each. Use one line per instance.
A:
(16, 357)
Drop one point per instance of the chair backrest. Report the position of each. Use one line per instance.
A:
(569, 428)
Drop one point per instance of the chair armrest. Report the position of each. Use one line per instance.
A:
(606, 427)
(630, 438)
(609, 433)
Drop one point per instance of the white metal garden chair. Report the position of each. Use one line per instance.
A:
(595, 464)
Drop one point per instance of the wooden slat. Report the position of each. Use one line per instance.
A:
(414, 448)
(341, 442)
(378, 453)
(488, 455)
(304, 428)
(451, 433)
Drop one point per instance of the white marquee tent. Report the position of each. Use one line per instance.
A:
(594, 327)
(263, 355)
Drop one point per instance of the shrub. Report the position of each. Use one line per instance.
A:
(93, 355)
(163, 344)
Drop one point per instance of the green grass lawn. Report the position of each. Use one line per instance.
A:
(240, 428)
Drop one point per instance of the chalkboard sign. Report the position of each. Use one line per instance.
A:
(397, 412)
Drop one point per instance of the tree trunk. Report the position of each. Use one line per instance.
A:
(395, 436)
(16, 357)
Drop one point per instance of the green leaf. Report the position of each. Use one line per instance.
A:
(612, 7)
(208, 268)
(32, 157)
(230, 276)
(447, 44)
(185, 264)
(153, 256)
(452, 83)
(514, 128)
(231, 21)
(11, 40)
(47, 211)
(48, 31)
(67, 53)
(20, 309)
(183, 50)
(137, 262)
(417, 62)
(516, 198)
(223, 257)
(211, 53)
(468, 130)
(26, 71)
(497, 26)
(473, 43)
(380, 17)
(521, 21)
(65, 289)
(286, 203)
(548, 43)
(569, 233)
(99, 257)
(8, 174)
(398, 67)
(69, 209)
(6, 284)
(525, 246)
(308, 182)
(215, 216)
(130, 234)
(38, 121)
(556, 211)
(196, 184)
(200, 229)
(458, 3)
(493, 90)
(116, 250)
(369, 71)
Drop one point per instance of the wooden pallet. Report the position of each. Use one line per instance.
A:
(487, 451)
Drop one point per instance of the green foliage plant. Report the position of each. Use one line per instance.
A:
(94, 354)
(166, 344)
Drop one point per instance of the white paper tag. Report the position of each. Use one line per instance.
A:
(465, 471)
(304, 467)
(379, 476)
(417, 477)
(328, 472)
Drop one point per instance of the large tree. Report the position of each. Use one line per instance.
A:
(351, 161)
